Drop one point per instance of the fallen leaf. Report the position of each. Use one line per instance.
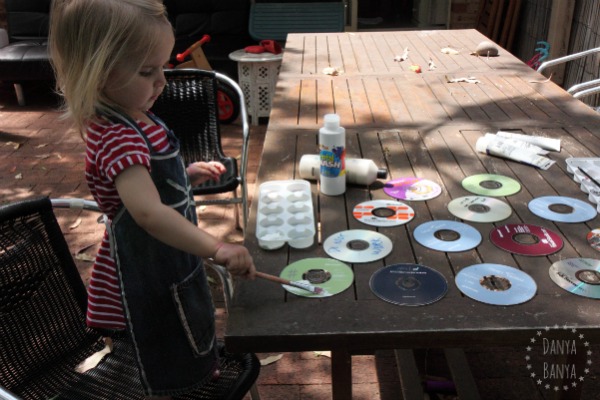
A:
(84, 257)
(39, 146)
(43, 156)
(19, 176)
(75, 224)
(432, 65)
(13, 169)
(416, 68)
(333, 71)
(271, 359)
(449, 50)
(323, 354)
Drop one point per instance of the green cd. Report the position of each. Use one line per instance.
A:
(333, 276)
(491, 185)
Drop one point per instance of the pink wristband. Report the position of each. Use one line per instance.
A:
(218, 246)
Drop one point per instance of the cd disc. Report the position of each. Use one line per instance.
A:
(408, 284)
(593, 238)
(412, 188)
(491, 185)
(580, 276)
(383, 213)
(496, 284)
(525, 239)
(562, 209)
(479, 209)
(450, 236)
(357, 246)
(331, 275)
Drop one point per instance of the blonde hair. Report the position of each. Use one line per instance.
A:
(89, 38)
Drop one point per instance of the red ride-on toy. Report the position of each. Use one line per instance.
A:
(229, 107)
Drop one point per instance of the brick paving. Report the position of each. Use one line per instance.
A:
(40, 155)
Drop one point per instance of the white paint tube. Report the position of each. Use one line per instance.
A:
(519, 143)
(502, 149)
(543, 142)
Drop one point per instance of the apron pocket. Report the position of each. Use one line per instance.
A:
(196, 312)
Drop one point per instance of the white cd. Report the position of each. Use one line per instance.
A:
(479, 209)
(562, 209)
(580, 276)
(383, 213)
(496, 284)
(357, 246)
(450, 236)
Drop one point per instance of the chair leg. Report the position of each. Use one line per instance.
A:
(254, 395)
(20, 94)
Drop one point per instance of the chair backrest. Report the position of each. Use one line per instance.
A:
(275, 20)
(43, 333)
(27, 19)
(188, 105)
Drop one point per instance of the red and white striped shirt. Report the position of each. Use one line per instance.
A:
(112, 148)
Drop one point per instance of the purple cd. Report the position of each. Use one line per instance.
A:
(412, 188)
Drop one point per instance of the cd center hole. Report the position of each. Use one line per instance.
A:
(383, 212)
(490, 184)
(588, 276)
(495, 283)
(316, 276)
(526, 238)
(357, 244)
(479, 208)
(561, 208)
(408, 283)
(447, 235)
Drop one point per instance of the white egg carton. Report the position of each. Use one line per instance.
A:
(285, 215)
(582, 169)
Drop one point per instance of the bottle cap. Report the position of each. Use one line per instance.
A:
(331, 121)
(381, 173)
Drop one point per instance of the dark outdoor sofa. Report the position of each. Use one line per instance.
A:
(24, 52)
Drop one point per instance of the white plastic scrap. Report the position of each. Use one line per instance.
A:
(470, 79)
(403, 57)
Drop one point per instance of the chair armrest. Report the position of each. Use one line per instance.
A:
(565, 59)
(3, 38)
(226, 280)
(6, 395)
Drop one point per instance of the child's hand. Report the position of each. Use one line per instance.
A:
(201, 171)
(236, 259)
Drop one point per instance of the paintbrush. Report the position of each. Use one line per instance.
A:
(299, 284)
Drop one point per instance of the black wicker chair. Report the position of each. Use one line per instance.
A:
(43, 334)
(189, 107)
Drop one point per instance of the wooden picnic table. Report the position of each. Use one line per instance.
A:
(414, 124)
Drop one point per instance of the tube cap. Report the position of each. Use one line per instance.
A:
(381, 173)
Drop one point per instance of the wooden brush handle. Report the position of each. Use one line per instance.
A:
(272, 278)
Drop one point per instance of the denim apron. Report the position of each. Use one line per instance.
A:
(166, 297)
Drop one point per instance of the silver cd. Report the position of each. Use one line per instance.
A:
(479, 209)
(357, 246)
(562, 209)
(496, 284)
(580, 276)
(383, 213)
(450, 236)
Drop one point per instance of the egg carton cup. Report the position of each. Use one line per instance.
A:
(587, 185)
(285, 215)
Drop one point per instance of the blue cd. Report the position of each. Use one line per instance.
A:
(445, 235)
(496, 284)
(408, 284)
(562, 209)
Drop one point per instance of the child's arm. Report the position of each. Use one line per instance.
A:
(140, 197)
(201, 171)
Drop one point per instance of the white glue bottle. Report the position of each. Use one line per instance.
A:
(359, 171)
(332, 153)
